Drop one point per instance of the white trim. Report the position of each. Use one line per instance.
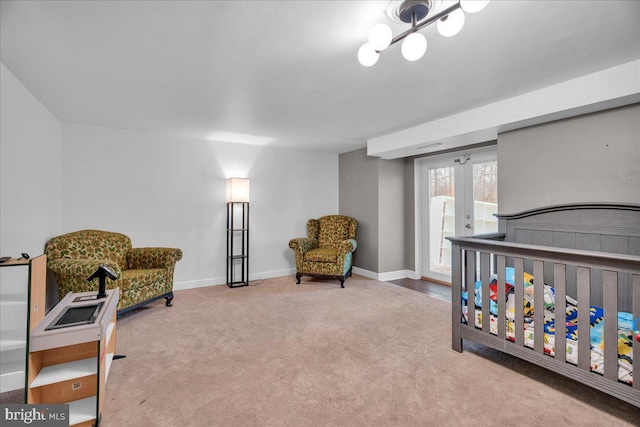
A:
(215, 281)
(387, 275)
(202, 283)
(366, 273)
(271, 274)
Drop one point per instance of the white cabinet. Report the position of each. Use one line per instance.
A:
(16, 278)
(71, 364)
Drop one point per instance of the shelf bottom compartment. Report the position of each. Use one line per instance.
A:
(82, 410)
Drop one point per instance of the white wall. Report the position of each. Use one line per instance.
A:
(29, 207)
(591, 158)
(164, 190)
(30, 147)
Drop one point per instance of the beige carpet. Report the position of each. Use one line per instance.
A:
(372, 354)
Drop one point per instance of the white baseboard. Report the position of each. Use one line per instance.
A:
(192, 284)
(215, 281)
(271, 274)
(383, 277)
(386, 276)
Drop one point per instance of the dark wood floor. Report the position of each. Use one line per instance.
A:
(434, 290)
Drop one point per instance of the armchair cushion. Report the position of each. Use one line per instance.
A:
(144, 274)
(322, 255)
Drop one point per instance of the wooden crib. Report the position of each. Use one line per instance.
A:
(588, 252)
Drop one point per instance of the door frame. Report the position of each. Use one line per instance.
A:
(419, 199)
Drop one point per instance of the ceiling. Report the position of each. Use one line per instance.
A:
(285, 73)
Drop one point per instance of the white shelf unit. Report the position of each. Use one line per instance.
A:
(14, 295)
(71, 365)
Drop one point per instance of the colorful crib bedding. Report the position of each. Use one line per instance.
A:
(625, 324)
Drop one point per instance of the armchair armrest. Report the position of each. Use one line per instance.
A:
(347, 246)
(80, 267)
(303, 244)
(144, 258)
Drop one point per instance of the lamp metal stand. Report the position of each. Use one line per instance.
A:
(237, 255)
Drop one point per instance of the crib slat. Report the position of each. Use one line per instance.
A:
(518, 265)
(559, 281)
(610, 302)
(538, 306)
(636, 317)
(584, 327)
(502, 297)
(484, 275)
(470, 280)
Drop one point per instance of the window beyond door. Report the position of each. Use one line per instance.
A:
(442, 216)
(459, 197)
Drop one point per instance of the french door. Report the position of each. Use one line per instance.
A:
(458, 196)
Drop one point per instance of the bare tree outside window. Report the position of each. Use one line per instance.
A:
(441, 182)
(485, 182)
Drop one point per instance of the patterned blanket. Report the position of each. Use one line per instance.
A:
(625, 324)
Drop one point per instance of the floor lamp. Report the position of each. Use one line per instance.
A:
(237, 232)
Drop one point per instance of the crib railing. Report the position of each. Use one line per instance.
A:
(477, 258)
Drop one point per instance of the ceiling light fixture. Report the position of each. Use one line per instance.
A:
(420, 14)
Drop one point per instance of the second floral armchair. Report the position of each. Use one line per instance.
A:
(327, 252)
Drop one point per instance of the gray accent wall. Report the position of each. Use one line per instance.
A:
(590, 158)
(391, 218)
(373, 191)
(358, 183)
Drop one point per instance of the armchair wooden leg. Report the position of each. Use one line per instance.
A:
(342, 283)
(298, 276)
(169, 299)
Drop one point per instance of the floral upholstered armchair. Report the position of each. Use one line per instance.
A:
(144, 274)
(328, 251)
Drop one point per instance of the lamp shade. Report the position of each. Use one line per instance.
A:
(367, 55)
(413, 47)
(380, 36)
(473, 6)
(451, 24)
(238, 190)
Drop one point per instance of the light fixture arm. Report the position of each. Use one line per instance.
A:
(419, 26)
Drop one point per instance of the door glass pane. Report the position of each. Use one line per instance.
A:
(442, 218)
(485, 197)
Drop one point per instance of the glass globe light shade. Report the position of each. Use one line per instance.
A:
(451, 24)
(367, 55)
(414, 47)
(473, 6)
(380, 36)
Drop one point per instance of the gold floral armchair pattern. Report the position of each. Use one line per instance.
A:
(144, 274)
(327, 252)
